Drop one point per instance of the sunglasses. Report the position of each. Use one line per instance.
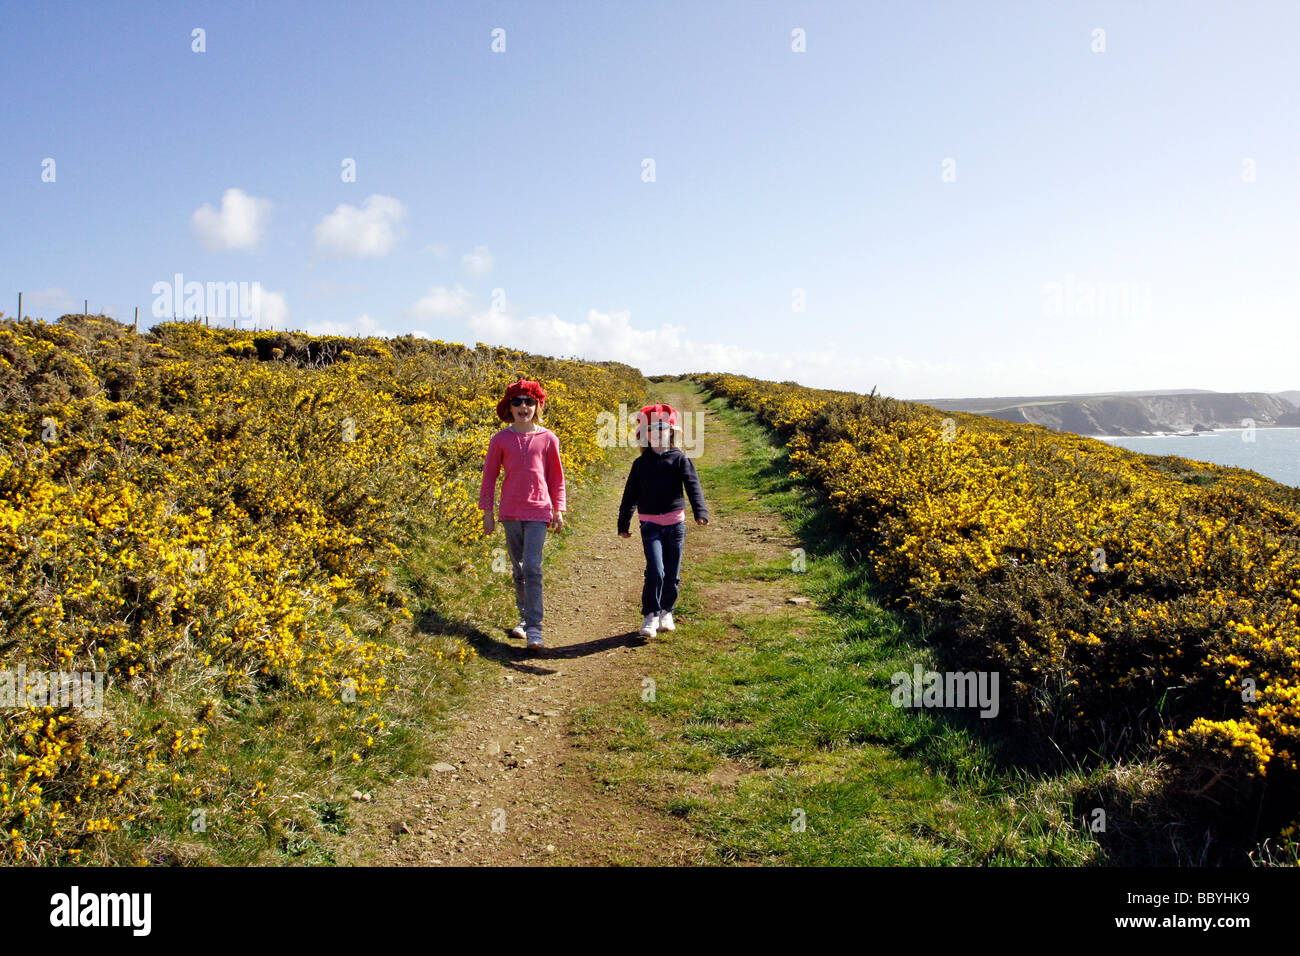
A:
(522, 400)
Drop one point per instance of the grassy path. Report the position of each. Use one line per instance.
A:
(772, 731)
(759, 732)
(509, 786)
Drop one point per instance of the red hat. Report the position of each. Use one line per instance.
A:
(521, 387)
(659, 412)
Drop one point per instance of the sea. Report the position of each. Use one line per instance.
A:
(1272, 452)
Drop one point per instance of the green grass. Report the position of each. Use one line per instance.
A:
(772, 730)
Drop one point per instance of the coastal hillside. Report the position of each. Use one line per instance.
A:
(262, 554)
(1125, 414)
(1135, 608)
(254, 550)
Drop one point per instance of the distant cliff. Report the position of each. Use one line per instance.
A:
(1134, 413)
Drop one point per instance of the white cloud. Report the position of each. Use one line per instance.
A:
(270, 309)
(360, 327)
(372, 230)
(55, 301)
(442, 303)
(478, 262)
(239, 224)
(611, 336)
(436, 249)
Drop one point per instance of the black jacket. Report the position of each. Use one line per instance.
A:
(655, 485)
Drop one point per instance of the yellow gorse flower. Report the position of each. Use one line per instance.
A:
(1103, 585)
(216, 511)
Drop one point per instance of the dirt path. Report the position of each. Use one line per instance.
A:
(511, 786)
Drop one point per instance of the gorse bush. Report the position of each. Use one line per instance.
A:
(1133, 605)
(209, 518)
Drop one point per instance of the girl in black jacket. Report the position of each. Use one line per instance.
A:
(655, 487)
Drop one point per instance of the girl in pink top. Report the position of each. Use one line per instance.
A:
(532, 496)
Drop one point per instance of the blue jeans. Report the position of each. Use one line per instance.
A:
(663, 563)
(524, 540)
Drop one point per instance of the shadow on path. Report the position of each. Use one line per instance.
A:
(515, 657)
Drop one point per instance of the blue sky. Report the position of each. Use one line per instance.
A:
(1119, 218)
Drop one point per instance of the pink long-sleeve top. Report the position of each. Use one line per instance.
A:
(533, 489)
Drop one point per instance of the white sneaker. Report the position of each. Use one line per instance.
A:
(649, 626)
(535, 639)
(520, 630)
(666, 621)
